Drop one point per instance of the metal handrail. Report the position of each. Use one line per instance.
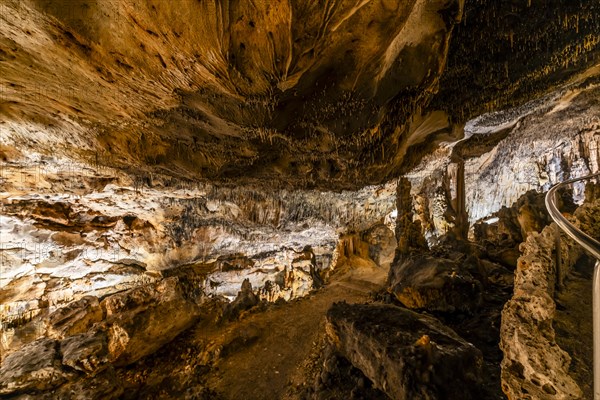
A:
(586, 241)
(592, 246)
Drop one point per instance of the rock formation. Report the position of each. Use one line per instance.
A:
(509, 153)
(288, 91)
(434, 284)
(407, 355)
(116, 332)
(331, 93)
(63, 238)
(533, 364)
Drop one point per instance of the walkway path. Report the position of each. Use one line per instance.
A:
(276, 343)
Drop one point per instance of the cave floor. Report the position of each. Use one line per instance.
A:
(267, 354)
(574, 314)
(287, 335)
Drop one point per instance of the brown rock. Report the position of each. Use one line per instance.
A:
(434, 284)
(36, 366)
(85, 352)
(68, 239)
(534, 366)
(382, 244)
(141, 320)
(325, 73)
(245, 300)
(408, 231)
(76, 317)
(405, 354)
(103, 386)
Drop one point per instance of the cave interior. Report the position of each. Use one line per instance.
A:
(297, 199)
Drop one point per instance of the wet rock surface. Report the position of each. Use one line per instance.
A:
(405, 354)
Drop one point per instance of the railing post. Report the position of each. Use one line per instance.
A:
(596, 322)
(559, 277)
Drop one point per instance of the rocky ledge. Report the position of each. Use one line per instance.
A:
(405, 354)
(89, 339)
(534, 366)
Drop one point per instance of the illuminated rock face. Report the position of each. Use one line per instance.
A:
(509, 153)
(70, 230)
(533, 363)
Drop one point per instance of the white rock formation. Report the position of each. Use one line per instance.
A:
(534, 366)
(549, 140)
(72, 229)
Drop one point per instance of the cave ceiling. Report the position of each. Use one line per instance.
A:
(332, 94)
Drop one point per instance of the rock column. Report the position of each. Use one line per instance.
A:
(462, 217)
(408, 232)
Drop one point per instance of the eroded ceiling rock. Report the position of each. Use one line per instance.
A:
(505, 53)
(306, 93)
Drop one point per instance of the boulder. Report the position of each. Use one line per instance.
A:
(405, 354)
(143, 319)
(76, 317)
(35, 366)
(433, 284)
(85, 352)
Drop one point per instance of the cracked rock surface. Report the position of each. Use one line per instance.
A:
(405, 354)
